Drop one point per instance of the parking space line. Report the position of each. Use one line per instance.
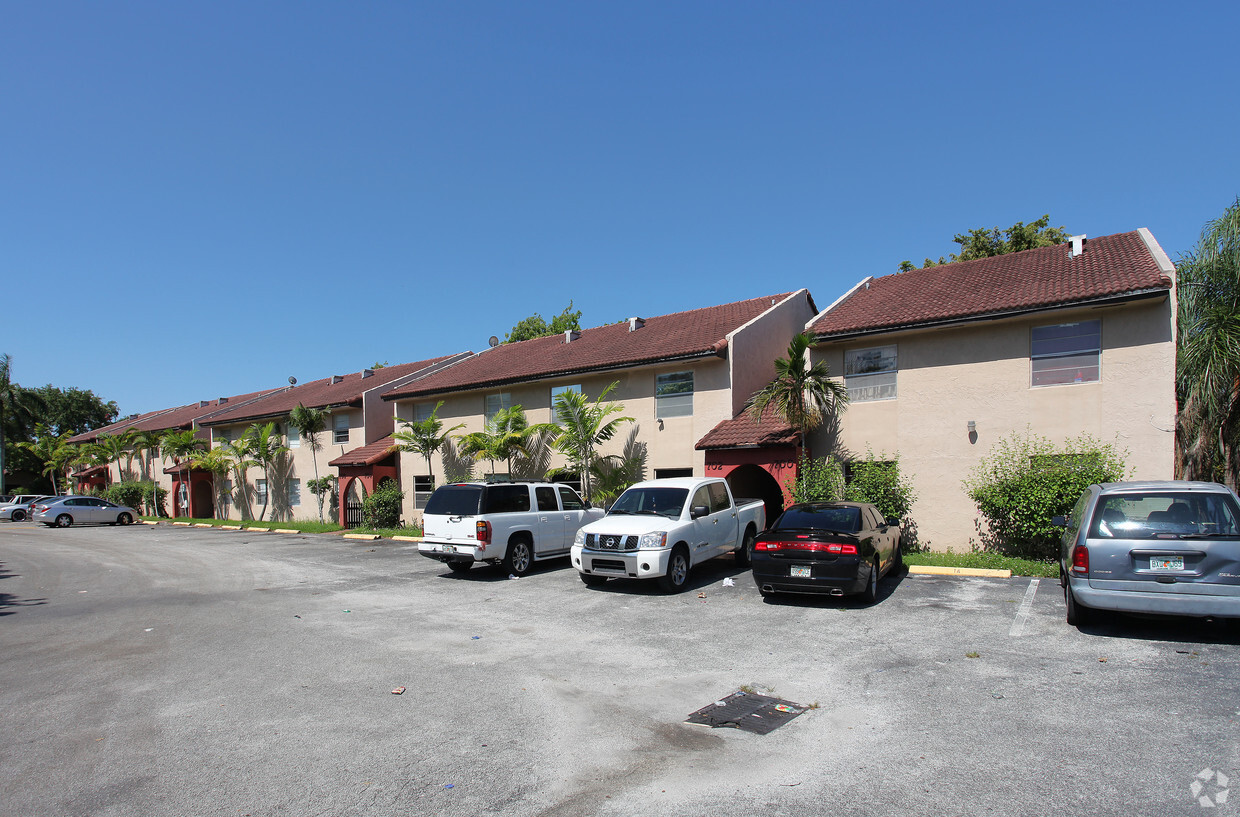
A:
(1022, 614)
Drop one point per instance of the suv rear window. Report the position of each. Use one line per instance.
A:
(454, 500)
(506, 499)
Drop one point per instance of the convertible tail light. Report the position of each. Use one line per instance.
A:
(484, 534)
(1080, 560)
(834, 548)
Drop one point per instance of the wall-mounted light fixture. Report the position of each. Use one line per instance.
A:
(972, 426)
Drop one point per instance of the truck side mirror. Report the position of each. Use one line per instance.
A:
(698, 511)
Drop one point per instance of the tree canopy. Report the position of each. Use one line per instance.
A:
(985, 243)
(536, 327)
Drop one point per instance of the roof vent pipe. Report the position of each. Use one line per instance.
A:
(203, 403)
(1078, 245)
(636, 323)
(221, 401)
(571, 335)
(336, 378)
(367, 373)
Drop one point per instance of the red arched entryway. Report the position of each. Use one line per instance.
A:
(758, 459)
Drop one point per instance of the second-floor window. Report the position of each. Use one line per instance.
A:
(497, 403)
(1066, 353)
(673, 394)
(556, 391)
(340, 428)
(870, 374)
(294, 437)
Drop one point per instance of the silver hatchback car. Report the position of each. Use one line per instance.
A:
(63, 511)
(1167, 547)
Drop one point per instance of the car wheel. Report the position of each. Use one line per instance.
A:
(460, 566)
(19, 516)
(64, 520)
(897, 559)
(673, 581)
(591, 580)
(519, 557)
(1078, 614)
(124, 519)
(870, 594)
(744, 555)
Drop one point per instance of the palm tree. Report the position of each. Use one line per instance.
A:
(148, 442)
(240, 454)
(19, 410)
(55, 453)
(1208, 353)
(801, 394)
(181, 446)
(613, 474)
(424, 437)
(218, 462)
(309, 423)
(116, 447)
(507, 434)
(583, 426)
(265, 448)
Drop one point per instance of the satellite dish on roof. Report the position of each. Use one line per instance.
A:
(493, 341)
(292, 381)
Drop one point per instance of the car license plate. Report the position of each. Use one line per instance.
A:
(799, 572)
(1166, 563)
(449, 548)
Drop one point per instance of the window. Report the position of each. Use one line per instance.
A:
(423, 487)
(221, 436)
(673, 394)
(701, 499)
(556, 391)
(294, 437)
(569, 498)
(340, 428)
(667, 473)
(570, 478)
(497, 402)
(1066, 353)
(870, 374)
(545, 495)
(423, 411)
(260, 491)
(506, 499)
(718, 497)
(294, 493)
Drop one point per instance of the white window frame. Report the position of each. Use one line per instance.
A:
(870, 373)
(556, 391)
(293, 437)
(423, 411)
(1066, 351)
(293, 491)
(675, 404)
(340, 428)
(260, 491)
(493, 404)
(423, 487)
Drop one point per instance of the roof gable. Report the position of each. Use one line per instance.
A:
(1111, 266)
(678, 336)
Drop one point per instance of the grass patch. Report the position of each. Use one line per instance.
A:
(301, 525)
(990, 561)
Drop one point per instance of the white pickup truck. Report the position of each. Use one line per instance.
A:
(661, 528)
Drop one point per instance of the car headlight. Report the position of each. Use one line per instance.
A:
(579, 539)
(653, 540)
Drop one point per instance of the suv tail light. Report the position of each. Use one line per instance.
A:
(484, 534)
(1080, 560)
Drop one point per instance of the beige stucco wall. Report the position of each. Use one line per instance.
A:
(982, 372)
(753, 348)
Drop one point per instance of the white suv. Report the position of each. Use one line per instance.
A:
(510, 523)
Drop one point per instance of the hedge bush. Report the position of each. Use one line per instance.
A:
(818, 480)
(1027, 480)
(382, 508)
(880, 483)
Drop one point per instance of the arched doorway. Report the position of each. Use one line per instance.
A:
(353, 498)
(203, 506)
(751, 481)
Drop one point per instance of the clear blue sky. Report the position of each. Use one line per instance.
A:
(202, 199)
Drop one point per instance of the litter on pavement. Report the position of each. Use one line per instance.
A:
(760, 714)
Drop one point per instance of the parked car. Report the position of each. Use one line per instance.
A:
(19, 507)
(660, 529)
(510, 523)
(63, 511)
(1168, 547)
(832, 548)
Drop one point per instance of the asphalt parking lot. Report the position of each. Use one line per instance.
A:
(161, 670)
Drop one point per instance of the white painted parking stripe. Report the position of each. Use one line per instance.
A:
(1022, 614)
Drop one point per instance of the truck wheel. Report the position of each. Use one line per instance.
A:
(673, 581)
(744, 554)
(591, 580)
(519, 557)
(460, 566)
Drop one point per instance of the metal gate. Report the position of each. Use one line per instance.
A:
(352, 514)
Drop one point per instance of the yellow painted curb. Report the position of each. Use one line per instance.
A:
(203, 525)
(230, 527)
(286, 530)
(406, 538)
(149, 522)
(256, 530)
(182, 524)
(939, 570)
(367, 536)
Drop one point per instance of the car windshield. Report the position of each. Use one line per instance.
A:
(656, 501)
(1165, 513)
(454, 500)
(841, 520)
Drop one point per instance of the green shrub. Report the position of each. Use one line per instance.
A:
(880, 483)
(1027, 481)
(382, 508)
(126, 493)
(818, 480)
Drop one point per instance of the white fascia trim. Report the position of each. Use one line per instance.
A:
(839, 301)
(1156, 250)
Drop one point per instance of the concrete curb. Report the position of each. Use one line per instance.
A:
(286, 530)
(939, 570)
(406, 538)
(370, 537)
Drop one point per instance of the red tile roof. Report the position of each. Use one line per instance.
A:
(376, 452)
(346, 390)
(166, 419)
(1112, 266)
(742, 431)
(679, 336)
